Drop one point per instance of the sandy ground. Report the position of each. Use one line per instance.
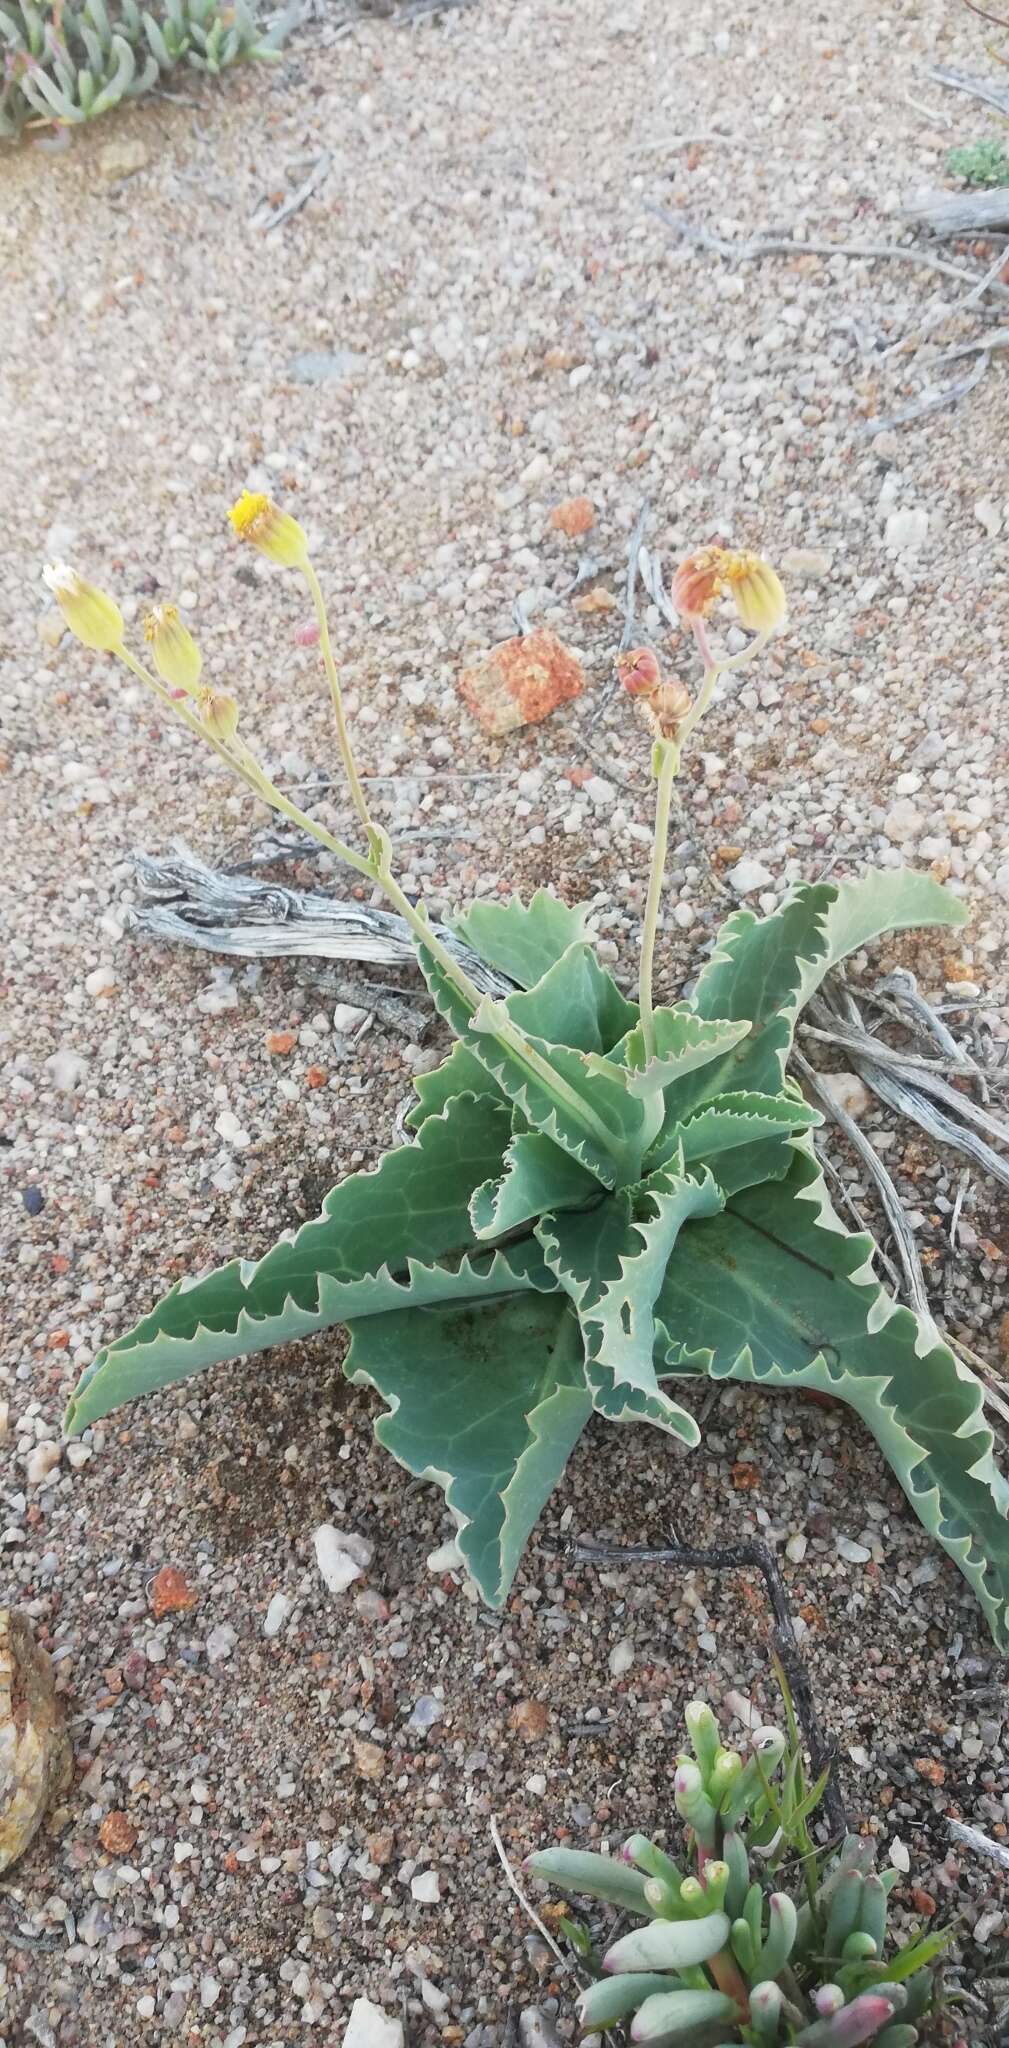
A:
(512, 327)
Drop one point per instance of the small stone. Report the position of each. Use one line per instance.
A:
(122, 158)
(228, 1127)
(370, 2027)
(621, 1657)
(595, 600)
(341, 1557)
(929, 1768)
(146, 2006)
(280, 1043)
(210, 1992)
(427, 1711)
(853, 1553)
(900, 1858)
(796, 1547)
(349, 1019)
(907, 528)
(574, 517)
(170, 1593)
(34, 1200)
(748, 876)
(521, 681)
(988, 515)
(600, 792)
(811, 563)
(220, 1643)
(531, 1719)
(36, 1761)
(40, 1462)
(78, 1455)
(369, 1759)
(447, 1558)
(117, 1834)
(66, 1070)
(848, 1092)
(278, 1612)
(315, 366)
(904, 821)
(425, 1888)
(381, 1846)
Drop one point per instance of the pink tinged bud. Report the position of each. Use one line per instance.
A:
(698, 583)
(639, 671)
(828, 2000)
(307, 635)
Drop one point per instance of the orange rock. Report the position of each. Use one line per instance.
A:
(596, 600)
(531, 1718)
(281, 1042)
(170, 1593)
(117, 1834)
(317, 1077)
(521, 681)
(922, 1901)
(928, 1767)
(574, 517)
(745, 1478)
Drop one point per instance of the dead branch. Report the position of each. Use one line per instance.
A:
(996, 96)
(959, 213)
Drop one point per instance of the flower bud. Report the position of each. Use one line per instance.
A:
(757, 592)
(639, 671)
(219, 714)
(173, 650)
(256, 518)
(92, 616)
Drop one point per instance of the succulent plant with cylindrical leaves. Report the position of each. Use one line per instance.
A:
(69, 63)
(719, 1957)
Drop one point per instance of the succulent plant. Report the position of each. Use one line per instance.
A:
(718, 1955)
(67, 63)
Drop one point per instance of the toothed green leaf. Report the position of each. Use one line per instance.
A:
(488, 1400)
(776, 1291)
(683, 1042)
(883, 900)
(521, 939)
(728, 1121)
(576, 1099)
(415, 1205)
(538, 1175)
(460, 1074)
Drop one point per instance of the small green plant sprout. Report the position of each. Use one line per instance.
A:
(721, 1954)
(979, 163)
(69, 63)
(601, 1198)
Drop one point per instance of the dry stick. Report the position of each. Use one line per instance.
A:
(978, 88)
(903, 1237)
(749, 252)
(939, 314)
(932, 401)
(858, 1041)
(751, 1554)
(495, 1834)
(972, 1838)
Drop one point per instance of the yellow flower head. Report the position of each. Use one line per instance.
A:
(219, 714)
(92, 616)
(173, 650)
(256, 518)
(756, 590)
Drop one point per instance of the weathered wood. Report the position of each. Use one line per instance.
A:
(959, 213)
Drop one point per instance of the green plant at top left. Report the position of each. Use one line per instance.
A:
(65, 64)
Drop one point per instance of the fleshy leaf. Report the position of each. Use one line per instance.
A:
(538, 1175)
(459, 1074)
(577, 1099)
(575, 1003)
(883, 900)
(488, 1400)
(777, 1292)
(415, 1204)
(522, 940)
(612, 1263)
(683, 1042)
(728, 1121)
(756, 972)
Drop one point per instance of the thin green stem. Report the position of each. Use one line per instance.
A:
(358, 797)
(669, 760)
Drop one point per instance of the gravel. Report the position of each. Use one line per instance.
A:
(472, 321)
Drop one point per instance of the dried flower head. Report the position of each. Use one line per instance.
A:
(257, 519)
(219, 713)
(92, 616)
(173, 650)
(698, 583)
(664, 705)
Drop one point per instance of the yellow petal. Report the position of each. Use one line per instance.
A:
(256, 518)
